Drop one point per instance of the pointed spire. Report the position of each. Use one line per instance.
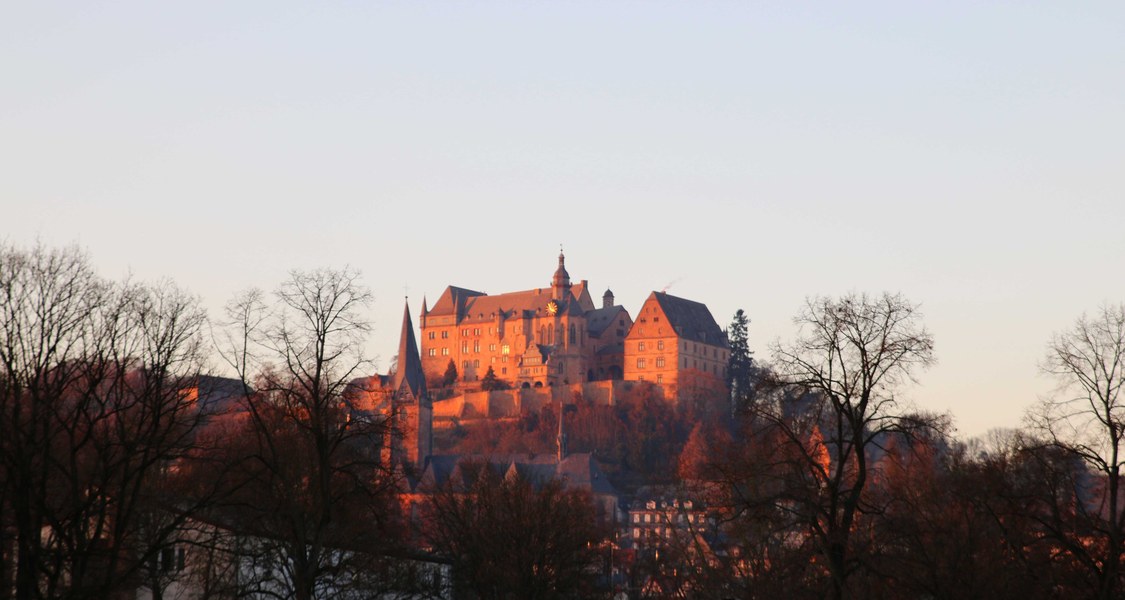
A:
(561, 439)
(424, 309)
(409, 372)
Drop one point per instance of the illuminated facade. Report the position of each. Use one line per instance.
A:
(556, 336)
(673, 337)
(544, 336)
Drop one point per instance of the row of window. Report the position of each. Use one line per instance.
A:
(464, 332)
(677, 518)
(505, 349)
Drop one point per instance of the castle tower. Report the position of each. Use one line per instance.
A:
(607, 299)
(560, 282)
(412, 408)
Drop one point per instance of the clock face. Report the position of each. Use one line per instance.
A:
(552, 308)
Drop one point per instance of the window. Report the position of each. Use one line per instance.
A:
(660, 363)
(636, 532)
(476, 364)
(433, 351)
(445, 351)
(505, 349)
(476, 346)
(504, 359)
(648, 518)
(445, 335)
(171, 559)
(503, 370)
(640, 363)
(636, 517)
(431, 334)
(476, 331)
(660, 344)
(659, 378)
(464, 347)
(464, 364)
(492, 347)
(640, 346)
(465, 332)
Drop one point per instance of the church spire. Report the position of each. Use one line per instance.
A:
(561, 439)
(409, 374)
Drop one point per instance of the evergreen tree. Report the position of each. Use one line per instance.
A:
(489, 382)
(450, 374)
(740, 367)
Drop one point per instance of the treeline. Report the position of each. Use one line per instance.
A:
(125, 466)
(118, 451)
(825, 485)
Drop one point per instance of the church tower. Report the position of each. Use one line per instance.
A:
(560, 282)
(411, 406)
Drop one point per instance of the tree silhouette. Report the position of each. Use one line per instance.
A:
(740, 364)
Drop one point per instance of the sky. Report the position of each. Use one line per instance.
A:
(967, 155)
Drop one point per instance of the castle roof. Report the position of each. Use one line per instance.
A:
(690, 319)
(452, 301)
(477, 307)
(597, 321)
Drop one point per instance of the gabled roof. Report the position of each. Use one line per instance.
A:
(597, 321)
(452, 300)
(582, 471)
(691, 320)
(409, 376)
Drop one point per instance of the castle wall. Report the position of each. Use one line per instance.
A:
(512, 403)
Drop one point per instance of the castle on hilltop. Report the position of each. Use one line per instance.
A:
(556, 336)
(551, 338)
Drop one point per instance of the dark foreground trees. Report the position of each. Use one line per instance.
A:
(851, 357)
(310, 484)
(96, 419)
(1085, 420)
(510, 538)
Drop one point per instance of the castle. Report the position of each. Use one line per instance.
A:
(544, 337)
(556, 336)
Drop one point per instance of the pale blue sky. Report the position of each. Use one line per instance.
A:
(968, 155)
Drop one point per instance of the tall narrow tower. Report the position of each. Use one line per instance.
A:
(560, 282)
(412, 408)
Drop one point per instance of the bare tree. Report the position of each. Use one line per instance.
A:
(314, 490)
(1086, 419)
(93, 419)
(851, 357)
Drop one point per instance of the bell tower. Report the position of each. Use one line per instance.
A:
(560, 282)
